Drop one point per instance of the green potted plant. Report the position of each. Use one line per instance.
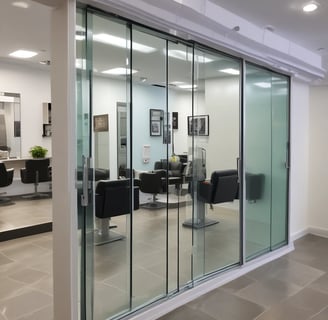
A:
(38, 152)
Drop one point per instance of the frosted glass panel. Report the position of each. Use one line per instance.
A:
(280, 102)
(257, 160)
(266, 161)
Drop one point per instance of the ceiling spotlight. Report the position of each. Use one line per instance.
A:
(310, 7)
(23, 54)
(45, 62)
(269, 27)
(20, 4)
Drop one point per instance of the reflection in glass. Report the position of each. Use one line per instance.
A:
(216, 149)
(10, 125)
(266, 147)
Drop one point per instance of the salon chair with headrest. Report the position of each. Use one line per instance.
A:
(36, 171)
(222, 187)
(113, 198)
(152, 182)
(6, 179)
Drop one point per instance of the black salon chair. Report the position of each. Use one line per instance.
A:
(36, 171)
(223, 187)
(254, 186)
(112, 199)
(6, 179)
(152, 182)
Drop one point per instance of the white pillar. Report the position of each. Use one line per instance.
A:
(65, 247)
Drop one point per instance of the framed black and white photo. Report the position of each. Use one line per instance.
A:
(155, 129)
(155, 122)
(198, 125)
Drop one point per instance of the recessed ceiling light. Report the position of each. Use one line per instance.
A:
(119, 71)
(122, 43)
(23, 54)
(183, 55)
(230, 71)
(20, 4)
(310, 7)
(264, 85)
(187, 86)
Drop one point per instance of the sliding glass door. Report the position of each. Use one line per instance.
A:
(266, 137)
(160, 163)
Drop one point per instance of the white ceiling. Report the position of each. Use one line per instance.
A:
(288, 20)
(30, 28)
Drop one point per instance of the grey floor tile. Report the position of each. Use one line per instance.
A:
(238, 284)
(322, 315)
(28, 276)
(268, 292)
(309, 299)
(4, 259)
(284, 312)
(9, 287)
(187, 313)
(42, 314)
(321, 284)
(25, 303)
(222, 305)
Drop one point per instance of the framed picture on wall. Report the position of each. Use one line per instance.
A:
(155, 129)
(198, 125)
(100, 123)
(155, 122)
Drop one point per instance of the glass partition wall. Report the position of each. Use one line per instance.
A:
(266, 160)
(160, 120)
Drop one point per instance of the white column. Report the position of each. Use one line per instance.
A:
(65, 247)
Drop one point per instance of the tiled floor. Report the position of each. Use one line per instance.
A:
(294, 287)
(26, 278)
(23, 213)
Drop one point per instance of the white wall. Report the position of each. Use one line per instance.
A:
(33, 84)
(318, 159)
(299, 159)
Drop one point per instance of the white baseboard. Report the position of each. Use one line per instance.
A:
(170, 304)
(299, 234)
(322, 232)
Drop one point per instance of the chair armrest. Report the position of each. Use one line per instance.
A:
(205, 190)
(10, 174)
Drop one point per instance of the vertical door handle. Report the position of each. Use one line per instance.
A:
(85, 181)
(287, 163)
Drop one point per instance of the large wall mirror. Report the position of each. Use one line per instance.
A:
(10, 124)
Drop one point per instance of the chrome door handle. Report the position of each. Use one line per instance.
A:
(85, 182)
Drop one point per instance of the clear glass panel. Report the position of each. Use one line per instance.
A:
(280, 138)
(180, 204)
(150, 128)
(214, 131)
(257, 157)
(110, 98)
(83, 123)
